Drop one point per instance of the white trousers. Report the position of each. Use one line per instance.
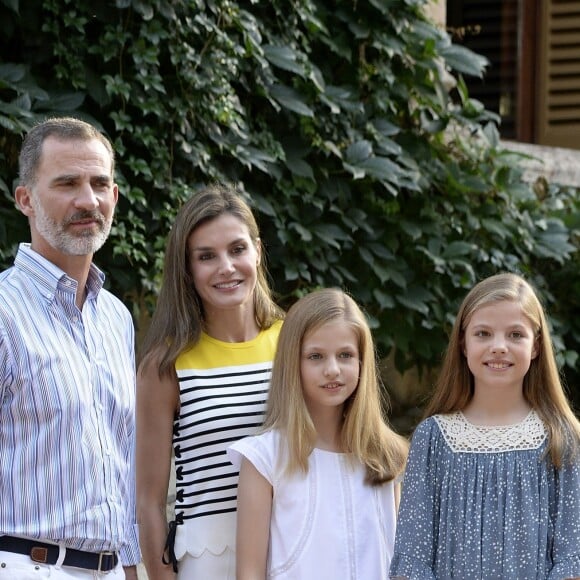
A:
(21, 567)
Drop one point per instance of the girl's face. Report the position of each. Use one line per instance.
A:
(499, 346)
(329, 366)
(224, 264)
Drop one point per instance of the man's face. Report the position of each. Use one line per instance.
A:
(72, 202)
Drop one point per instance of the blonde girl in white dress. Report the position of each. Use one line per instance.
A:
(317, 492)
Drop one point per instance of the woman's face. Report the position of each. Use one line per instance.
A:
(224, 263)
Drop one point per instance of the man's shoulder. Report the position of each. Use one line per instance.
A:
(5, 274)
(9, 286)
(110, 301)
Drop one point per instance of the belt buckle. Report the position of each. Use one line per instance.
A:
(101, 555)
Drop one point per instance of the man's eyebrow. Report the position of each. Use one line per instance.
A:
(102, 178)
(65, 177)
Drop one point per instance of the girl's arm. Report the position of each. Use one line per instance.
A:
(157, 403)
(253, 531)
(397, 489)
(566, 544)
(415, 541)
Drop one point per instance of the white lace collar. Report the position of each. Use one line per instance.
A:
(465, 437)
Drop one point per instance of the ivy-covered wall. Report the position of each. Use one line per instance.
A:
(367, 167)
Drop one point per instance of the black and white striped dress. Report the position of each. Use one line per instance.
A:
(223, 392)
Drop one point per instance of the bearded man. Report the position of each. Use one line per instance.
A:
(67, 378)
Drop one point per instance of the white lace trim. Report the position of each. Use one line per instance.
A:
(465, 437)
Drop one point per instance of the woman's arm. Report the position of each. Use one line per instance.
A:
(253, 531)
(157, 403)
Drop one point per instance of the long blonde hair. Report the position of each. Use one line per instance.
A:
(365, 433)
(542, 387)
(179, 317)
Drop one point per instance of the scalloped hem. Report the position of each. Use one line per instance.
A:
(208, 566)
(212, 534)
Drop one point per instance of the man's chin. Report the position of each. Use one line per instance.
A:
(81, 247)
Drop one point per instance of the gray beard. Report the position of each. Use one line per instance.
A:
(58, 237)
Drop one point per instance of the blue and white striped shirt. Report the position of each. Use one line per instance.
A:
(67, 399)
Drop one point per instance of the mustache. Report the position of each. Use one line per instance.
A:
(86, 215)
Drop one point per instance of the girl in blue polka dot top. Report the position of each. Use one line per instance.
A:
(492, 485)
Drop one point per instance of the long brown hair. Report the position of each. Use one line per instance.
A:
(365, 433)
(178, 319)
(542, 387)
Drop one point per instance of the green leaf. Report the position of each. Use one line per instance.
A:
(346, 273)
(305, 234)
(283, 57)
(330, 234)
(383, 273)
(413, 230)
(496, 227)
(12, 73)
(357, 172)
(4, 188)
(415, 298)
(143, 8)
(385, 127)
(381, 168)
(554, 241)
(412, 304)
(464, 60)
(299, 167)
(397, 278)
(366, 255)
(65, 102)
(384, 300)
(382, 252)
(255, 157)
(291, 100)
(12, 4)
(458, 248)
(358, 152)
(341, 98)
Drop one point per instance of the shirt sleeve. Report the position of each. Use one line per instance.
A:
(415, 544)
(5, 366)
(566, 545)
(258, 450)
(130, 553)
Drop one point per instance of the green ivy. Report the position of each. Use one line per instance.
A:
(336, 118)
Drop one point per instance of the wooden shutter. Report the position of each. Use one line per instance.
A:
(558, 80)
(490, 28)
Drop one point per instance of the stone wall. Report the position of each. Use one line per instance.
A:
(556, 165)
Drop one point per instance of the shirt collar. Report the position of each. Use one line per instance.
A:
(48, 276)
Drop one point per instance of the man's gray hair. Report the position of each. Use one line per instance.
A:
(62, 128)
